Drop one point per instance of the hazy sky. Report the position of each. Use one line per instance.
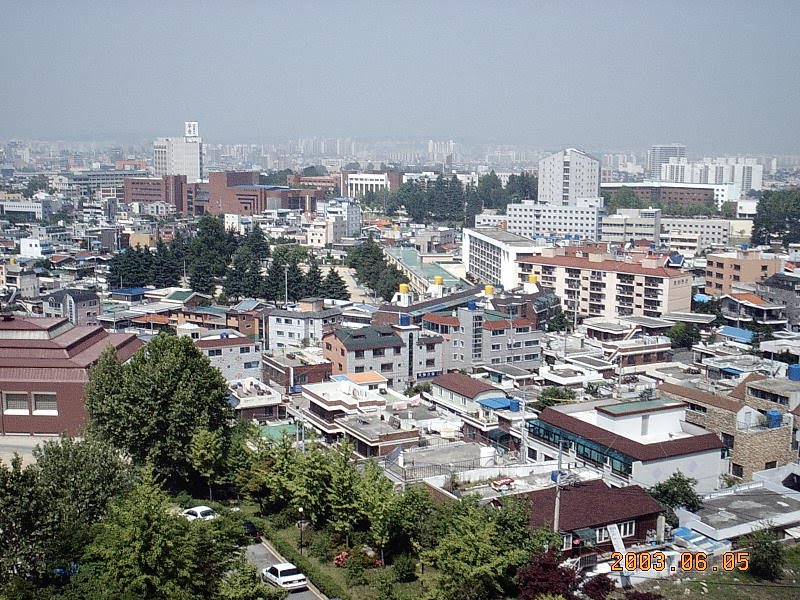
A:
(718, 76)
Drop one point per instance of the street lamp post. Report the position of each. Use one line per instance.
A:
(302, 523)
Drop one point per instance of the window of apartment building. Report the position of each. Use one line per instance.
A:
(737, 470)
(359, 369)
(386, 367)
(727, 440)
(430, 362)
(770, 464)
(697, 407)
(280, 333)
(529, 343)
(430, 347)
(245, 349)
(530, 357)
(216, 352)
(601, 534)
(15, 403)
(253, 364)
(397, 351)
(495, 346)
(327, 346)
(455, 356)
(763, 268)
(495, 361)
(378, 352)
(497, 332)
(523, 329)
(737, 267)
(359, 354)
(341, 351)
(736, 278)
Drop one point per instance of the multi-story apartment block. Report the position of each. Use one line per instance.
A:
(756, 422)
(401, 353)
(304, 325)
(596, 285)
(326, 231)
(81, 307)
(533, 219)
(490, 255)
(568, 175)
(712, 232)
(744, 173)
(632, 224)
(234, 354)
(685, 194)
(347, 209)
(180, 155)
(660, 154)
(744, 265)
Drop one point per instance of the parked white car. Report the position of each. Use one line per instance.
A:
(284, 575)
(204, 513)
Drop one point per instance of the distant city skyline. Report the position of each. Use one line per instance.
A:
(715, 76)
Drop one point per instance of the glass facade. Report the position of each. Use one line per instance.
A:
(586, 449)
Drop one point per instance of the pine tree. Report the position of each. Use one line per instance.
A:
(273, 283)
(201, 276)
(313, 279)
(165, 271)
(294, 281)
(473, 206)
(257, 243)
(334, 287)
(244, 277)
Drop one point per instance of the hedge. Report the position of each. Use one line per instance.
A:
(319, 578)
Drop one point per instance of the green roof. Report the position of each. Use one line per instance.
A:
(637, 406)
(180, 295)
(367, 338)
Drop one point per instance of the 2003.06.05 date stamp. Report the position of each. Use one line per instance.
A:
(688, 561)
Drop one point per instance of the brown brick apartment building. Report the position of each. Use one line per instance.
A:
(744, 265)
(44, 365)
(239, 192)
(186, 197)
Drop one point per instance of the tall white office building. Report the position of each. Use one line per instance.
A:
(745, 173)
(660, 154)
(567, 177)
(180, 155)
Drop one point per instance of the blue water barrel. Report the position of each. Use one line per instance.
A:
(774, 418)
(471, 305)
(513, 405)
(405, 320)
(794, 372)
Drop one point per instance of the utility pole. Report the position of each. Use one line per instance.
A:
(285, 286)
(558, 489)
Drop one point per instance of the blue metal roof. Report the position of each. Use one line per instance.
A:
(744, 336)
(131, 291)
(701, 298)
(495, 403)
(731, 371)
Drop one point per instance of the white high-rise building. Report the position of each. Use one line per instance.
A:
(567, 176)
(180, 155)
(660, 154)
(745, 173)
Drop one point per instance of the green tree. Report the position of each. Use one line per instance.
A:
(473, 206)
(257, 242)
(377, 495)
(343, 493)
(212, 245)
(165, 270)
(244, 278)
(552, 395)
(159, 400)
(268, 478)
(333, 286)
(201, 276)
(559, 322)
(491, 192)
(523, 186)
(312, 282)
(207, 456)
(309, 484)
(677, 490)
(684, 335)
(777, 217)
(767, 556)
(625, 197)
(243, 583)
(295, 281)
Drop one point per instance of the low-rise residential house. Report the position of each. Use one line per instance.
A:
(588, 510)
(783, 289)
(640, 441)
(756, 422)
(303, 325)
(290, 369)
(235, 355)
(745, 308)
(81, 307)
(252, 399)
(44, 366)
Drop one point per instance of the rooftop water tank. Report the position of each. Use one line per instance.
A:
(472, 305)
(513, 405)
(794, 372)
(438, 280)
(774, 418)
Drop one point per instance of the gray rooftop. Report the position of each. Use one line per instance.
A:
(503, 236)
(776, 384)
(745, 506)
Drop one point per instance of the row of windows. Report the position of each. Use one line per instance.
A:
(19, 403)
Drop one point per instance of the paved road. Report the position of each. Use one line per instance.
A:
(261, 557)
(357, 294)
(22, 445)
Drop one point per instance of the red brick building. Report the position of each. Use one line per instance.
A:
(187, 198)
(44, 365)
(239, 193)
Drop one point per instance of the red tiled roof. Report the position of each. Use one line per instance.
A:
(505, 323)
(591, 504)
(603, 265)
(739, 391)
(637, 451)
(463, 385)
(30, 324)
(700, 396)
(230, 341)
(748, 297)
(440, 319)
(160, 319)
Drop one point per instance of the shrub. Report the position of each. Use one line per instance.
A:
(287, 517)
(767, 557)
(598, 587)
(637, 595)
(321, 546)
(384, 586)
(404, 568)
(356, 574)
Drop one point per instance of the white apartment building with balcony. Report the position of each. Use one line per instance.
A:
(745, 173)
(596, 285)
(490, 255)
(568, 175)
(632, 224)
(533, 219)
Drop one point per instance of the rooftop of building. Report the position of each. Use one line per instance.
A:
(77, 294)
(778, 385)
(449, 301)
(464, 385)
(606, 264)
(751, 505)
(368, 338)
(296, 357)
(504, 237)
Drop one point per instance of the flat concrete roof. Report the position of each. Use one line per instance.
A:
(442, 455)
(779, 385)
(503, 236)
(745, 506)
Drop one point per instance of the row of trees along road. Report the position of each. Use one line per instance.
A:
(215, 256)
(445, 200)
(373, 270)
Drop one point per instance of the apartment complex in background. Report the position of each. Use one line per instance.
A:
(743, 265)
(533, 219)
(594, 284)
(745, 173)
(661, 154)
(180, 155)
(629, 224)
